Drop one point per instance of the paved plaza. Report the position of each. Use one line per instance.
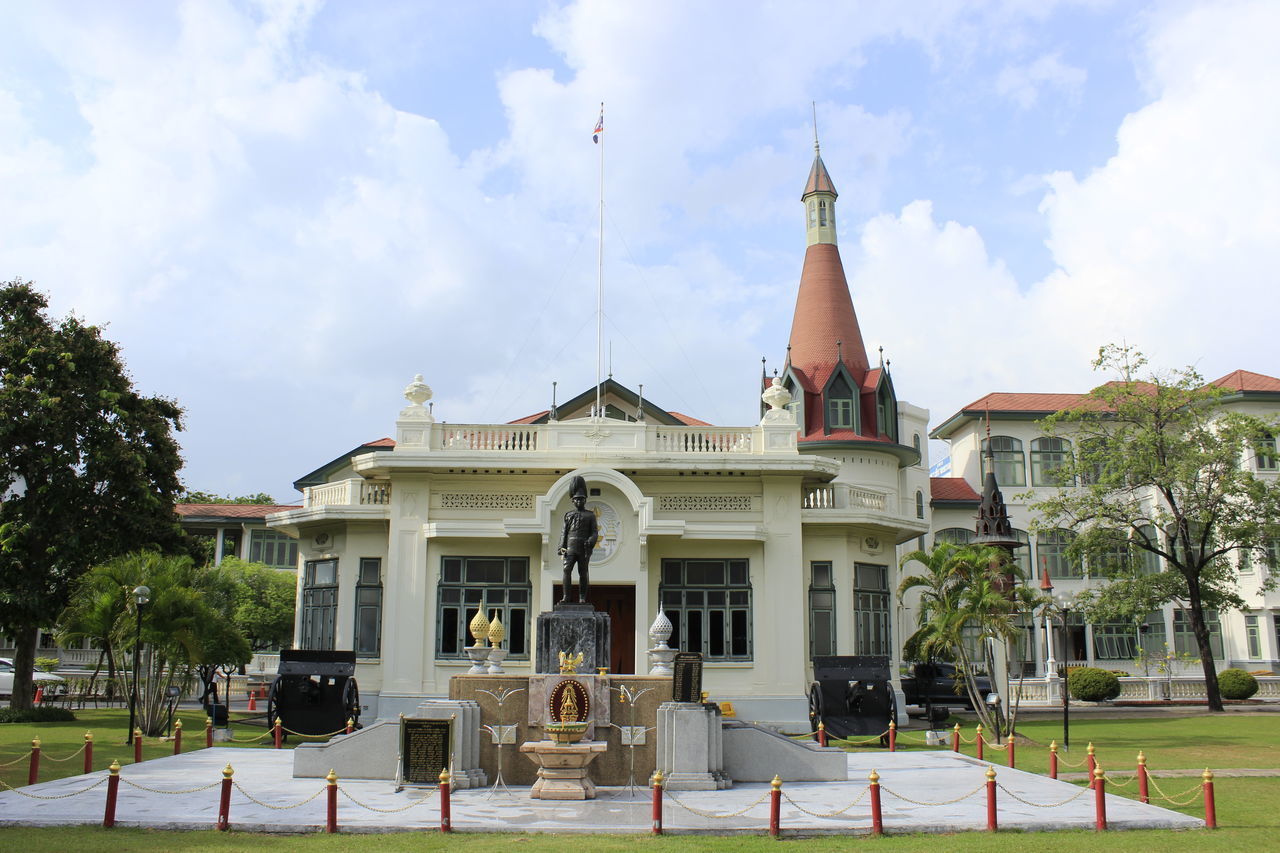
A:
(921, 792)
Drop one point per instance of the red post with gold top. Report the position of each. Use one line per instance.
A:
(893, 736)
(1100, 798)
(822, 734)
(657, 803)
(224, 799)
(208, 732)
(33, 770)
(1143, 785)
(775, 806)
(446, 818)
(1092, 759)
(877, 817)
(113, 789)
(978, 738)
(1053, 759)
(278, 734)
(955, 738)
(1210, 809)
(137, 746)
(88, 752)
(1009, 746)
(177, 737)
(991, 799)
(331, 812)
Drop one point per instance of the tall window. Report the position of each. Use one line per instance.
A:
(1264, 453)
(822, 609)
(1151, 636)
(796, 406)
(840, 404)
(1048, 456)
(319, 604)
(870, 609)
(822, 213)
(813, 213)
(1051, 545)
(886, 413)
(1184, 639)
(1022, 556)
(954, 535)
(1006, 453)
(919, 504)
(709, 605)
(1146, 562)
(1252, 636)
(498, 585)
(273, 548)
(1113, 558)
(369, 608)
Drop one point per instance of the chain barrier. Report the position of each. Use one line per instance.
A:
(19, 758)
(44, 757)
(1176, 799)
(852, 742)
(1086, 789)
(981, 786)
(716, 815)
(1114, 784)
(1079, 763)
(341, 731)
(20, 792)
(866, 790)
(419, 801)
(262, 736)
(254, 799)
(161, 791)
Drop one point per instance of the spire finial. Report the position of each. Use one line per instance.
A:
(882, 356)
(764, 371)
(814, 104)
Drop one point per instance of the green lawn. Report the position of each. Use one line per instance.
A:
(1246, 812)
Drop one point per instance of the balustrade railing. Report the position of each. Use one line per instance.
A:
(511, 439)
(703, 440)
(841, 496)
(351, 492)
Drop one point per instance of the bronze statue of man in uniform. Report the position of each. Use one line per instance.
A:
(577, 542)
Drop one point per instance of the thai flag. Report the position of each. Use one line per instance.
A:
(595, 134)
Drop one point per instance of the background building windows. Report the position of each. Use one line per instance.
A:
(709, 605)
(870, 609)
(273, 548)
(369, 608)
(498, 585)
(1253, 637)
(1265, 455)
(1184, 639)
(954, 535)
(1051, 546)
(1006, 453)
(319, 604)
(1048, 456)
(840, 404)
(822, 609)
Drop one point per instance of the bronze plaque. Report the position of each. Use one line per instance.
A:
(424, 749)
(570, 702)
(686, 681)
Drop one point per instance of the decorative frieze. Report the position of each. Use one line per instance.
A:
(482, 500)
(705, 503)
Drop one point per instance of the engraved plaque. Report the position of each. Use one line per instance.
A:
(424, 749)
(686, 683)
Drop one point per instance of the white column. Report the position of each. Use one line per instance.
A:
(217, 547)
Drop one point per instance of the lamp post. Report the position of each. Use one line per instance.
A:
(1046, 586)
(1064, 607)
(141, 596)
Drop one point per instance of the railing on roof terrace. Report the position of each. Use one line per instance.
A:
(351, 492)
(703, 440)
(844, 496)
(489, 438)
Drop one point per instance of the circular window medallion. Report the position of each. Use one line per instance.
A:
(610, 526)
(569, 702)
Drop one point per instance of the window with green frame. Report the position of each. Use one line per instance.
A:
(1006, 453)
(886, 412)
(368, 633)
(870, 609)
(1048, 455)
(954, 535)
(273, 548)
(840, 404)
(1051, 546)
(319, 604)
(1264, 453)
(498, 585)
(1184, 639)
(822, 609)
(709, 605)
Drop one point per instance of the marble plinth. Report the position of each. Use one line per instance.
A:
(573, 628)
(562, 769)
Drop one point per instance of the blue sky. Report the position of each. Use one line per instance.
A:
(283, 210)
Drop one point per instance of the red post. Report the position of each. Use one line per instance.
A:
(88, 752)
(277, 734)
(331, 816)
(955, 738)
(1143, 793)
(991, 799)
(1009, 746)
(137, 746)
(1099, 798)
(822, 734)
(177, 737)
(877, 817)
(446, 820)
(979, 740)
(657, 803)
(224, 801)
(33, 771)
(39, 696)
(351, 725)
(208, 732)
(113, 786)
(893, 736)
(1092, 759)
(775, 806)
(1210, 810)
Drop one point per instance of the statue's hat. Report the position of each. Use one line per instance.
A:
(577, 487)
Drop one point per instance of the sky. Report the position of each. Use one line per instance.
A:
(283, 210)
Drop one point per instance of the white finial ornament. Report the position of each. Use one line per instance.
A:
(417, 392)
(778, 398)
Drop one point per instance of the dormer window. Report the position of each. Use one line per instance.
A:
(840, 404)
(887, 412)
(822, 213)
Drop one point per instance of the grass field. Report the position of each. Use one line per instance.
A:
(1246, 806)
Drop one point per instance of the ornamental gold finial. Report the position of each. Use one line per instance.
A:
(444, 776)
(88, 737)
(1207, 775)
(1142, 758)
(1089, 749)
(332, 778)
(1053, 745)
(115, 767)
(479, 626)
(991, 773)
(657, 779)
(776, 784)
(497, 631)
(873, 777)
(177, 725)
(227, 772)
(35, 743)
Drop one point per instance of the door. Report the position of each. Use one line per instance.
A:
(619, 601)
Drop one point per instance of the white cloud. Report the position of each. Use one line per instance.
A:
(1023, 84)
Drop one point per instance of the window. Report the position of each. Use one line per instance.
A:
(1112, 558)
(369, 608)
(1115, 641)
(1273, 554)
(796, 406)
(886, 412)
(919, 504)
(319, 604)
(915, 442)
(1006, 454)
(1146, 562)
(813, 213)
(1184, 639)
(1022, 556)
(870, 609)
(822, 213)
(840, 414)
(1048, 456)
(1151, 637)
(822, 609)
(709, 605)
(1264, 453)
(273, 548)
(498, 585)
(1051, 545)
(954, 535)
(1252, 637)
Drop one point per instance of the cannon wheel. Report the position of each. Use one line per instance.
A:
(815, 708)
(351, 701)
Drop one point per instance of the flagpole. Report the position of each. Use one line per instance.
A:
(600, 276)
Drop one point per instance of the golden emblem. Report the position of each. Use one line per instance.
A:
(569, 663)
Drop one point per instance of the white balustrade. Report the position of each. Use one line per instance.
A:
(820, 497)
(863, 499)
(703, 440)
(350, 492)
(510, 439)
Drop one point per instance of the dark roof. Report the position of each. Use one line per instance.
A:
(230, 511)
(320, 475)
(819, 179)
(652, 413)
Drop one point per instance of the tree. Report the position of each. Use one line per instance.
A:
(264, 602)
(1158, 460)
(966, 602)
(198, 497)
(88, 466)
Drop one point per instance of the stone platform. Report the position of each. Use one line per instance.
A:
(267, 775)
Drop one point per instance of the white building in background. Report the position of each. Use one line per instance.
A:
(1024, 458)
(765, 544)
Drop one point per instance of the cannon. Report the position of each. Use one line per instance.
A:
(314, 692)
(851, 696)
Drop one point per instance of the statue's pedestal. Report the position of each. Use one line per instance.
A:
(572, 628)
(562, 769)
(691, 747)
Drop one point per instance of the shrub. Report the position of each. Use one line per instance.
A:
(47, 664)
(1090, 684)
(1236, 684)
(36, 715)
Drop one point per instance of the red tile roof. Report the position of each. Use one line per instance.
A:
(528, 419)
(999, 401)
(952, 489)
(1244, 380)
(688, 420)
(381, 442)
(250, 511)
(819, 179)
(824, 317)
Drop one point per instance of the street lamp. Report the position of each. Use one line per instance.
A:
(1064, 603)
(1046, 587)
(141, 595)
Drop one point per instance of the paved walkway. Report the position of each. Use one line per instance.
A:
(266, 791)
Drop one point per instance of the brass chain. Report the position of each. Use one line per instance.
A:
(19, 758)
(419, 801)
(68, 758)
(160, 791)
(1025, 802)
(1080, 763)
(836, 813)
(852, 742)
(1113, 783)
(254, 799)
(1175, 799)
(341, 731)
(55, 796)
(715, 815)
(249, 740)
(943, 803)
